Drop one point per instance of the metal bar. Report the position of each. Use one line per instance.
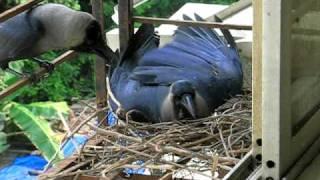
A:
(277, 147)
(24, 81)
(137, 3)
(257, 81)
(18, 9)
(100, 66)
(242, 169)
(231, 10)
(256, 174)
(125, 8)
(152, 20)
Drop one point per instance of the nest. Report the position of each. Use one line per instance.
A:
(207, 147)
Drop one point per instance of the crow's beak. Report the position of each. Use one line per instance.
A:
(188, 103)
(103, 51)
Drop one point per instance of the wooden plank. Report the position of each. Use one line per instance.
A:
(18, 9)
(125, 8)
(231, 10)
(152, 20)
(100, 66)
(257, 80)
(39, 73)
(276, 88)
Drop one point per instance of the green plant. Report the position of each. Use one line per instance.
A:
(33, 118)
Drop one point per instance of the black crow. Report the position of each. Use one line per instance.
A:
(186, 79)
(50, 27)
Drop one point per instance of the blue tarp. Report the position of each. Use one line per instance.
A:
(22, 167)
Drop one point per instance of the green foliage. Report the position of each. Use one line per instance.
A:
(49, 110)
(36, 128)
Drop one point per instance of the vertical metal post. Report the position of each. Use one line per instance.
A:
(125, 8)
(257, 81)
(100, 67)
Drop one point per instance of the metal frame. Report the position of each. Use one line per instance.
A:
(100, 66)
(246, 165)
(257, 81)
(282, 144)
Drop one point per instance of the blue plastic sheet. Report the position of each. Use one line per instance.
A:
(111, 119)
(21, 168)
(130, 171)
(69, 148)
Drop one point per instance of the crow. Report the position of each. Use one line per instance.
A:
(50, 27)
(186, 79)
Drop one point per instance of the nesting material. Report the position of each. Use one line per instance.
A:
(202, 148)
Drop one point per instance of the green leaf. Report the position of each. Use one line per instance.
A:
(49, 110)
(37, 130)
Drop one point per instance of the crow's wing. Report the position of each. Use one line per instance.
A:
(141, 42)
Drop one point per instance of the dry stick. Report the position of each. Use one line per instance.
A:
(75, 173)
(198, 141)
(185, 167)
(69, 136)
(66, 126)
(130, 150)
(178, 151)
(87, 120)
(115, 165)
(72, 168)
(115, 134)
(223, 143)
(215, 159)
(230, 136)
(150, 166)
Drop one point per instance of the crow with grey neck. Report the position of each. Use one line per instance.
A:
(186, 79)
(50, 27)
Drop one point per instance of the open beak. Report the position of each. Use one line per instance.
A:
(188, 103)
(104, 52)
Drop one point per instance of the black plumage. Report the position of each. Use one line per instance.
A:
(187, 78)
(50, 27)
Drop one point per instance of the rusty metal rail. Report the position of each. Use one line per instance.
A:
(18, 9)
(152, 20)
(27, 80)
(100, 67)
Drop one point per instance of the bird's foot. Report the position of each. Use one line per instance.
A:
(34, 78)
(45, 64)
